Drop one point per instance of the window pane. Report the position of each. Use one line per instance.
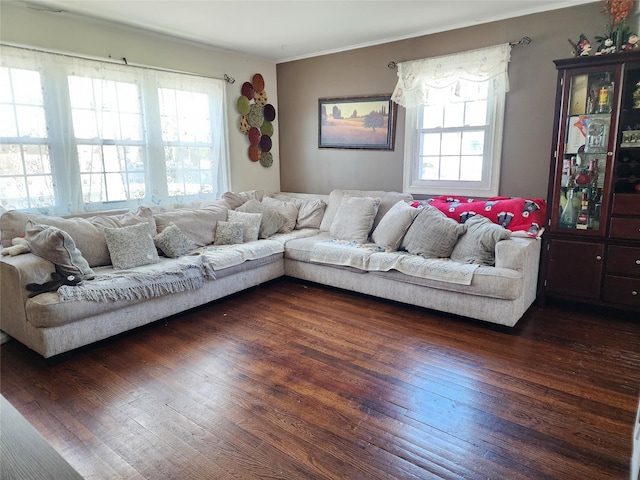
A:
(31, 122)
(471, 168)
(36, 159)
(8, 127)
(450, 168)
(472, 143)
(84, 124)
(432, 116)
(451, 143)
(105, 109)
(27, 89)
(429, 168)
(185, 116)
(476, 113)
(454, 115)
(184, 173)
(25, 179)
(430, 144)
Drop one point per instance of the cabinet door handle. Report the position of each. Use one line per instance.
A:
(609, 154)
(638, 262)
(634, 293)
(598, 257)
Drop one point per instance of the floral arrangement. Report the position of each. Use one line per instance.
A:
(619, 36)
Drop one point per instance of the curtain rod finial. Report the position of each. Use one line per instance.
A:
(392, 65)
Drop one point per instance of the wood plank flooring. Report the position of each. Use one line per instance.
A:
(293, 380)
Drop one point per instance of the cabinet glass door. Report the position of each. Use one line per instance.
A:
(587, 151)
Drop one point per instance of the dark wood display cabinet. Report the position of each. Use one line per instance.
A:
(591, 250)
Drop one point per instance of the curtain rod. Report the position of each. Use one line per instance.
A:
(121, 61)
(523, 42)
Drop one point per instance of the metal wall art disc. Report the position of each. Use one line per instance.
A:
(256, 117)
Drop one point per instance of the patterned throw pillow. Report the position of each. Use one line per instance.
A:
(172, 242)
(250, 222)
(131, 246)
(229, 233)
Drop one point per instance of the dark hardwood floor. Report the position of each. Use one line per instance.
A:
(293, 380)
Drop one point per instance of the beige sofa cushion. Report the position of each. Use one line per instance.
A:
(478, 244)
(387, 200)
(394, 225)
(272, 220)
(197, 224)
(58, 247)
(310, 211)
(432, 234)
(289, 209)
(87, 233)
(354, 219)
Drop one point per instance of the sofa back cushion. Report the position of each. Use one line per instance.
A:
(87, 233)
(311, 208)
(197, 224)
(387, 200)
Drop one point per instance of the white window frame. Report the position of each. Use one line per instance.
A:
(62, 145)
(490, 183)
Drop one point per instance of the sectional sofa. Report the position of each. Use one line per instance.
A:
(89, 278)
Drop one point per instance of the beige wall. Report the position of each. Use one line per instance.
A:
(68, 33)
(528, 117)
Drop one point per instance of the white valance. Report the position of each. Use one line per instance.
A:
(442, 78)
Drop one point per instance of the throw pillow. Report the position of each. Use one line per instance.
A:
(250, 222)
(229, 233)
(432, 234)
(173, 242)
(58, 247)
(394, 225)
(271, 221)
(236, 199)
(478, 244)
(131, 246)
(289, 210)
(354, 219)
(310, 212)
(197, 224)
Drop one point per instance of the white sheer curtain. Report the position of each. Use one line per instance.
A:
(85, 135)
(453, 77)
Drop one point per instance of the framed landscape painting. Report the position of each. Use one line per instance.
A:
(364, 123)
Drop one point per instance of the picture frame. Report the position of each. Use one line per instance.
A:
(365, 122)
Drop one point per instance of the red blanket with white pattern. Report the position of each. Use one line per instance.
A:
(516, 214)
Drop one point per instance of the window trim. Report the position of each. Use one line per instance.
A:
(487, 188)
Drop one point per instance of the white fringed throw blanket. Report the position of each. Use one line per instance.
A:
(371, 257)
(147, 281)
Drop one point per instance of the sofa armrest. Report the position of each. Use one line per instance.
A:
(518, 253)
(15, 273)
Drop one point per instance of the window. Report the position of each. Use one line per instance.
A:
(453, 132)
(83, 135)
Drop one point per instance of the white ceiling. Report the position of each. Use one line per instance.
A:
(290, 30)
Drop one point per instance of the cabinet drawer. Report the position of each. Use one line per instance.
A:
(623, 260)
(625, 228)
(626, 204)
(622, 290)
